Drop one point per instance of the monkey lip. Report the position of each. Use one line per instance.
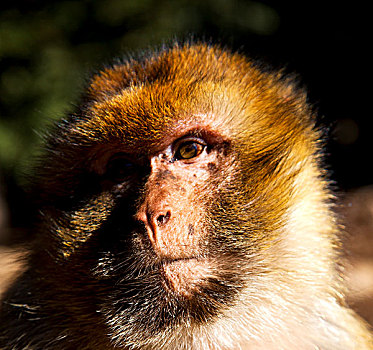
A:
(185, 276)
(173, 260)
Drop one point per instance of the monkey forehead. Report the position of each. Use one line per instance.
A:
(149, 116)
(145, 103)
(148, 99)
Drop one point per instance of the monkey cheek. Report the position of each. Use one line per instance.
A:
(187, 276)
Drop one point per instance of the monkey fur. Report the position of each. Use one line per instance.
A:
(183, 206)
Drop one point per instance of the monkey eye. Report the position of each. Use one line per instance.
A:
(189, 149)
(119, 168)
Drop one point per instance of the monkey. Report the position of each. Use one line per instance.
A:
(184, 204)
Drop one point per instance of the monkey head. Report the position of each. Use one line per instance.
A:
(175, 194)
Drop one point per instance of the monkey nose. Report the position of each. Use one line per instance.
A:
(162, 219)
(155, 221)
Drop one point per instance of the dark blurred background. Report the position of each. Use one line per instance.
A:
(48, 47)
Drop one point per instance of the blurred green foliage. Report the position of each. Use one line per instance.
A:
(46, 49)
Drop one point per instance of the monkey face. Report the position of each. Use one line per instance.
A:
(146, 227)
(161, 258)
(166, 190)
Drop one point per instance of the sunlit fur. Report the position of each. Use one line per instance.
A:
(261, 213)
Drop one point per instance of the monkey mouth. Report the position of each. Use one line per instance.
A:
(186, 276)
(166, 261)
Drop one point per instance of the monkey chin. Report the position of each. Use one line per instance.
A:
(185, 277)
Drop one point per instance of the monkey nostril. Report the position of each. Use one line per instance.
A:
(163, 219)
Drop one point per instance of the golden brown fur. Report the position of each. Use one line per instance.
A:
(235, 249)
